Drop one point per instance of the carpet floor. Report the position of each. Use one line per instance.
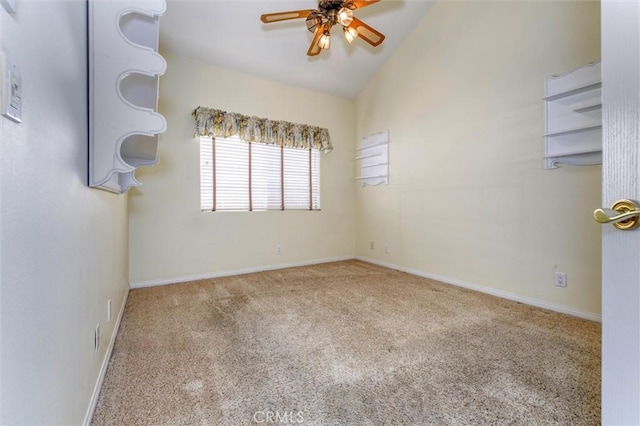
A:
(346, 343)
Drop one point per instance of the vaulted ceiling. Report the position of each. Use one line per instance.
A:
(230, 34)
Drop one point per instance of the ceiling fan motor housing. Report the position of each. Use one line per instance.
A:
(327, 13)
(326, 5)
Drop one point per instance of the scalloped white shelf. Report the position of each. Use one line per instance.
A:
(588, 106)
(575, 130)
(574, 152)
(572, 90)
(374, 159)
(124, 70)
(573, 117)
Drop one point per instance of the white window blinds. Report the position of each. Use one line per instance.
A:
(265, 177)
(235, 175)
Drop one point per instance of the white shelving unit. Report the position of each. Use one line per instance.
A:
(373, 156)
(124, 68)
(573, 117)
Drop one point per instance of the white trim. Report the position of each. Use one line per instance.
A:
(105, 363)
(249, 270)
(453, 281)
(482, 289)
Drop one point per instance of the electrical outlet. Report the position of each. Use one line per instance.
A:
(386, 248)
(371, 245)
(96, 338)
(560, 279)
(278, 249)
(109, 310)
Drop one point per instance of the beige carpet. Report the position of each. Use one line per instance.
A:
(346, 343)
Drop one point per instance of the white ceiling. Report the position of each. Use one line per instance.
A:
(230, 34)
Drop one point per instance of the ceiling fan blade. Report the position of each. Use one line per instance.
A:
(268, 18)
(314, 48)
(363, 3)
(365, 32)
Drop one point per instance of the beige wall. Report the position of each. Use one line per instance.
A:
(64, 245)
(468, 197)
(170, 238)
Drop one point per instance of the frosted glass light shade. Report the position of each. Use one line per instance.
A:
(350, 34)
(313, 21)
(345, 16)
(325, 41)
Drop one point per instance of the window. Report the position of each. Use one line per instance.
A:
(236, 175)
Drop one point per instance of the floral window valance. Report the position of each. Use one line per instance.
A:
(217, 123)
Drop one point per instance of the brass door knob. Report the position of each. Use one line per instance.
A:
(624, 215)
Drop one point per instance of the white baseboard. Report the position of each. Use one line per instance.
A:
(249, 270)
(105, 363)
(498, 293)
(453, 281)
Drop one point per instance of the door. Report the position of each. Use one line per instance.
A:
(621, 179)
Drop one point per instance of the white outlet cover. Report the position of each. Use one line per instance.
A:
(560, 279)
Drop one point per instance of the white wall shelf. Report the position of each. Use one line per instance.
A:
(576, 130)
(588, 106)
(363, 157)
(124, 70)
(373, 165)
(373, 156)
(573, 117)
(360, 148)
(371, 177)
(575, 152)
(573, 90)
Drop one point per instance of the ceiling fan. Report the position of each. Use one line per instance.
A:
(328, 14)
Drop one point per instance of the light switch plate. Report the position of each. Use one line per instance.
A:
(10, 89)
(9, 5)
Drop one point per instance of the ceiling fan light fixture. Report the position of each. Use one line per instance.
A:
(350, 34)
(345, 16)
(325, 40)
(329, 13)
